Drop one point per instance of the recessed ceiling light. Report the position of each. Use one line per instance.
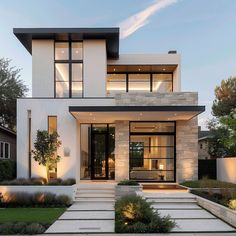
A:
(163, 69)
(77, 51)
(139, 69)
(114, 69)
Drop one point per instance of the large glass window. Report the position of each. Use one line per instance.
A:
(116, 83)
(68, 69)
(4, 150)
(162, 83)
(152, 151)
(139, 82)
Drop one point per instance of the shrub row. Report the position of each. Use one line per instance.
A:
(38, 181)
(7, 170)
(22, 228)
(128, 182)
(135, 215)
(39, 199)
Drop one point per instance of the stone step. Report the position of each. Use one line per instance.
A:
(173, 200)
(83, 206)
(168, 195)
(85, 215)
(186, 214)
(94, 199)
(81, 226)
(179, 205)
(202, 225)
(96, 191)
(94, 195)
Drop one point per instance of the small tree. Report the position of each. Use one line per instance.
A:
(45, 149)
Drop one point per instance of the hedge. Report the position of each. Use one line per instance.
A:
(7, 170)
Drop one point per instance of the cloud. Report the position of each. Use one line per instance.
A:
(138, 20)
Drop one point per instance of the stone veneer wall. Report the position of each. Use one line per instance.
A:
(121, 150)
(145, 99)
(186, 150)
(186, 133)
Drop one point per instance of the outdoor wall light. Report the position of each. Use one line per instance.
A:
(66, 152)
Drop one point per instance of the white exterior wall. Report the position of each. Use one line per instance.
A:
(153, 59)
(95, 68)
(67, 128)
(42, 68)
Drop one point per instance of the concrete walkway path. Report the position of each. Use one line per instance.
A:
(93, 212)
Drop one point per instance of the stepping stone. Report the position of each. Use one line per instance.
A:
(81, 226)
(204, 225)
(188, 214)
(107, 206)
(82, 215)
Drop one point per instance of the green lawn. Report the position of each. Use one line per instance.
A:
(40, 215)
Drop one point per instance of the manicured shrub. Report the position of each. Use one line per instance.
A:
(38, 181)
(133, 214)
(34, 228)
(22, 228)
(63, 200)
(128, 182)
(7, 170)
(46, 199)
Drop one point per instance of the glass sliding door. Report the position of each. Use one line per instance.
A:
(152, 151)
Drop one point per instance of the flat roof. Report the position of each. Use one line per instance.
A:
(111, 35)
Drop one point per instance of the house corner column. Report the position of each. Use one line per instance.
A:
(121, 150)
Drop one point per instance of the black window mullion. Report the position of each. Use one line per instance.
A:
(127, 83)
(151, 82)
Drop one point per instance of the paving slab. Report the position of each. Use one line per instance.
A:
(82, 215)
(179, 205)
(202, 225)
(187, 214)
(81, 226)
(91, 206)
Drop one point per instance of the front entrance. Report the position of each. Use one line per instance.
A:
(97, 151)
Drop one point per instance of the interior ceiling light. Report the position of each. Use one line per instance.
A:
(139, 69)
(163, 69)
(114, 69)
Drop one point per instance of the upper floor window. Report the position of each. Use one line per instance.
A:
(68, 69)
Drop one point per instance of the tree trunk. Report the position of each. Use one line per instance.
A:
(47, 170)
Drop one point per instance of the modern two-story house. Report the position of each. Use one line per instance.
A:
(119, 116)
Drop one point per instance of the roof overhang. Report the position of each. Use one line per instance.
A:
(111, 35)
(109, 114)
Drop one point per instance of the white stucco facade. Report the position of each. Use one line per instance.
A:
(94, 94)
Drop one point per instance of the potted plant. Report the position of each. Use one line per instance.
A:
(127, 188)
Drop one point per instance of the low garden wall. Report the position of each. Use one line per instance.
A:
(58, 190)
(218, 210)
(226, 169)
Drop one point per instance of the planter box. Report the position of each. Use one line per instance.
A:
(58, 190)
(218, 210)
(127, 190)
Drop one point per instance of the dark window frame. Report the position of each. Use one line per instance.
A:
(153, 134)
(150, 78)
(4, 150)
(70, 62)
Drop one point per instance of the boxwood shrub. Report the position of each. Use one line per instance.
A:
(134, 214)
(7, 170)
(128, 182)
(22, 228)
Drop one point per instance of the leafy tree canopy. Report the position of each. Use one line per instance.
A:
(45, 149)
(225, 99)
(11, 88)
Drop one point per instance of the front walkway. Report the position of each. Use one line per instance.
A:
(93, 212)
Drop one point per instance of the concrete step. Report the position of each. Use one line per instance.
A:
(94, 199)
(179, 205)
(95, 191)
(186, 214)
(172, 200)
(168, 195)
(202, 225)
(86, 206)
(94, 195)
(81, 226)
